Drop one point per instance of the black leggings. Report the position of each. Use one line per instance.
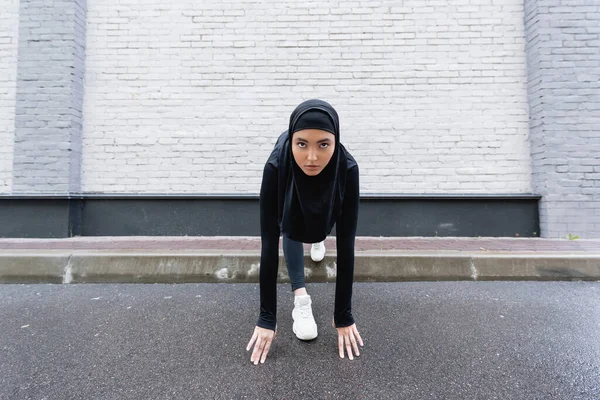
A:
(294, 258)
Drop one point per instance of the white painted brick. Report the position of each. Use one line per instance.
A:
(417, 88)
(9, 40)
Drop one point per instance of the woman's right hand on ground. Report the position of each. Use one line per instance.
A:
(262, 339)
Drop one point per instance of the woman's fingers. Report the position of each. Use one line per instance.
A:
(341, 339)
(265, 352)
(255, 350)
(347, 338)
(261, 340)
(252, 339)
(258, 348)
(348, 348)
(358, 335)
(354, 345)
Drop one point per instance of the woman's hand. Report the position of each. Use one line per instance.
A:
(264, 338)
(347, 337)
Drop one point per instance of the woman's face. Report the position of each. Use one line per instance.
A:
(312, 147)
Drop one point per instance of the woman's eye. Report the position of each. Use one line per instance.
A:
(303, 145)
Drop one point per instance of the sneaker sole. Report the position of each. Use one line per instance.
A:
(303, 337)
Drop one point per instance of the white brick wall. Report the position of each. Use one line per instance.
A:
(9, 40)
(190, 96)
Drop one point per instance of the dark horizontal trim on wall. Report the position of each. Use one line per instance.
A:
(227, 196)
(58, 216)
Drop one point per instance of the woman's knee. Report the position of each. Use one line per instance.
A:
(292, 248)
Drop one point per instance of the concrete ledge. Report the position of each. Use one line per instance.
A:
(33, 267)
(69, 266)
(557, 267)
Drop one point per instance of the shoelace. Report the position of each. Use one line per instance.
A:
(317, 246)
(304, 311)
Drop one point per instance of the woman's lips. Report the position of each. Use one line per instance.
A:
(312, 166)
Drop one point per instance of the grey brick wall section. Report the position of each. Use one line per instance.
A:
(563, 67)
(49, 97)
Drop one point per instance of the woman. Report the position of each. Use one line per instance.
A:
(309, 183)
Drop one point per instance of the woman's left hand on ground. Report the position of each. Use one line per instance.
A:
(347, 338)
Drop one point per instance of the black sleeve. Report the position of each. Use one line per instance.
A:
(269, 255)
(345, 236)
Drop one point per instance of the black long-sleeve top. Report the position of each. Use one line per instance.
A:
(269, 257)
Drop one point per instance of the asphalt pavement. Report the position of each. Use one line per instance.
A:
(423, 340)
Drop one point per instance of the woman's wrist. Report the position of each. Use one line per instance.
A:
(266, 325)
(343, 321)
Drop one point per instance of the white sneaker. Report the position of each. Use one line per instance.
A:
(317, 251)
(304, 325)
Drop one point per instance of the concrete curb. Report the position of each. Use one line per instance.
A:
(68, 266)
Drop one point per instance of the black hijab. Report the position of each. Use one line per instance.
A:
(309, 205)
